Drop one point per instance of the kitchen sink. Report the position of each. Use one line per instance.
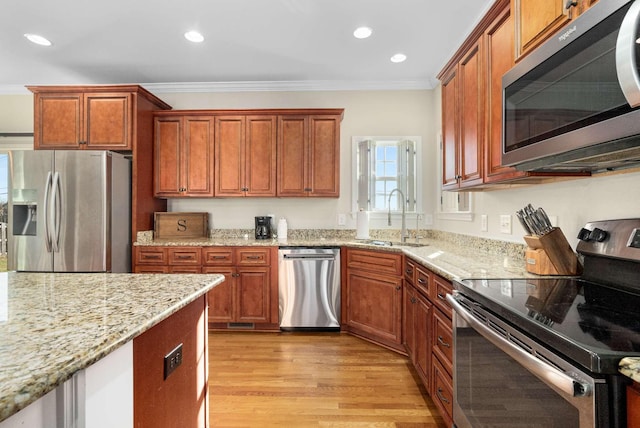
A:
(381, 243)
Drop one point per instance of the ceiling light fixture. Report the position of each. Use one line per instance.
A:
(362, 32)
(194, 36)
(38, 40)
(399, 57)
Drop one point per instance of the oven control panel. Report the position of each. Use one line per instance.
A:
(634, 239)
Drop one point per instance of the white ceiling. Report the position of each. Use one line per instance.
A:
(249, 44)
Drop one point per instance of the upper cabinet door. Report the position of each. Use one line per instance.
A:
(167, 156)
(293, 134)
(536, 20)
(58, 120)
(197, 155)
(260, 156)
(108, 122)
(450, 130)
(324, 156)
(229, 157)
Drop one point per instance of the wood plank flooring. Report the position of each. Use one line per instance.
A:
(312, 380)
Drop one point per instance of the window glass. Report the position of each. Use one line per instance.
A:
(384, 164)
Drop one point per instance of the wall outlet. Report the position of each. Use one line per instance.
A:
(505, 223)
(172, 360)
(484, 223)
(342, 219)
(428, 219)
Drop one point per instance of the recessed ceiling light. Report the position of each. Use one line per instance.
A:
(38, 40)
(362, 32)
(194, 36)
(399, 57)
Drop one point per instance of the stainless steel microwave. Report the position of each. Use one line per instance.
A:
(573, 103)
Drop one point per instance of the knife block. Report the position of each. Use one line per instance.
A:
(551, 254)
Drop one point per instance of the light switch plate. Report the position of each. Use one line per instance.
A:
(505, 223)
(342, 219)
(484, 223)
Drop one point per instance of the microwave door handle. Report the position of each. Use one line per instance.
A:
(47, 229)
(626, 61)
(564, 383)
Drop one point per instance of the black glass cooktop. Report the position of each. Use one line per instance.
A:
(589, 323)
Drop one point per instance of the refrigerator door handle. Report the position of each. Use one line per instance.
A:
(47, 230)
(56, 207)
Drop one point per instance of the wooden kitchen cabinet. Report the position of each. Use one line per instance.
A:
(442, 392)
(309, 155)
(537, 20)
(463, 121)
(245, 160)
(183, 156)
(417, 320)
(179, 399)
(83, 120)
(372, 297)
(168, 259)
(249, 294)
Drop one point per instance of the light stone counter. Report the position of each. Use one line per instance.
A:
(53, 324)
(465, 257)
(630, 367)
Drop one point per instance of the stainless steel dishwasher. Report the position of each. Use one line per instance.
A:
(309, 288)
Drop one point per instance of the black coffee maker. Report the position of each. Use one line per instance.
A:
(263, 227)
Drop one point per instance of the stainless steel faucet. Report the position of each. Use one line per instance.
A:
(403, 232)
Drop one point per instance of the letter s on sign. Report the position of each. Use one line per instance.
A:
(182, 225)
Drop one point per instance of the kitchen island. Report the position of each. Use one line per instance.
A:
(56, 325)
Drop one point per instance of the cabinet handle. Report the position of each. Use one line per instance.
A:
(414, 300)
(219, 257)
(441, 297)
(307, 189)
(235, 275)
(443, 343)
(409, 271)
(570, 3)
(151, 256)
(184, 257)
(422, 281)
(398, 288)
(442, 397)
(254, 257)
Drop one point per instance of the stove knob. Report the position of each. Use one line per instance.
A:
(598, 235)
(584, 234)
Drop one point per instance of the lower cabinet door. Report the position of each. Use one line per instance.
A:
(374, 306)
(221, 297)
(253, 295)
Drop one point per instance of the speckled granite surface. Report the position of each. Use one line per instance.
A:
(630, 367)
(447, 254)
(62, 323)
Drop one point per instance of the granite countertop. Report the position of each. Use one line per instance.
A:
(447, 259)
(630, 367)
(55, 324)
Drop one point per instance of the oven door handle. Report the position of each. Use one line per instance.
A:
(549, 374)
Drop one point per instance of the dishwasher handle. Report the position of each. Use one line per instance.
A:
(309, 256)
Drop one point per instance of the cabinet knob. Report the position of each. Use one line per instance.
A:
(398, 288)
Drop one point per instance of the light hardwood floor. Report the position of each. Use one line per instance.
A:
(312, 380)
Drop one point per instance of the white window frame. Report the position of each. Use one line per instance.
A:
(380, 214)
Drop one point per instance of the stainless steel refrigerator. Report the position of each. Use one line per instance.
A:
(69, 211)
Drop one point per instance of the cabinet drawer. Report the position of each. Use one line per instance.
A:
(185, 269)
(442, 393)
(424, 281)
(213, 256)
(151, 269)
(443, 340)
(375, 261)
(253, 256)
(184, 256)
(441, 287)
(409, 270)
(151, 256)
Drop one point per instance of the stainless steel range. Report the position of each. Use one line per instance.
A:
(544, 352)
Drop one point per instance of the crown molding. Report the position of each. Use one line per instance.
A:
(269, 86)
